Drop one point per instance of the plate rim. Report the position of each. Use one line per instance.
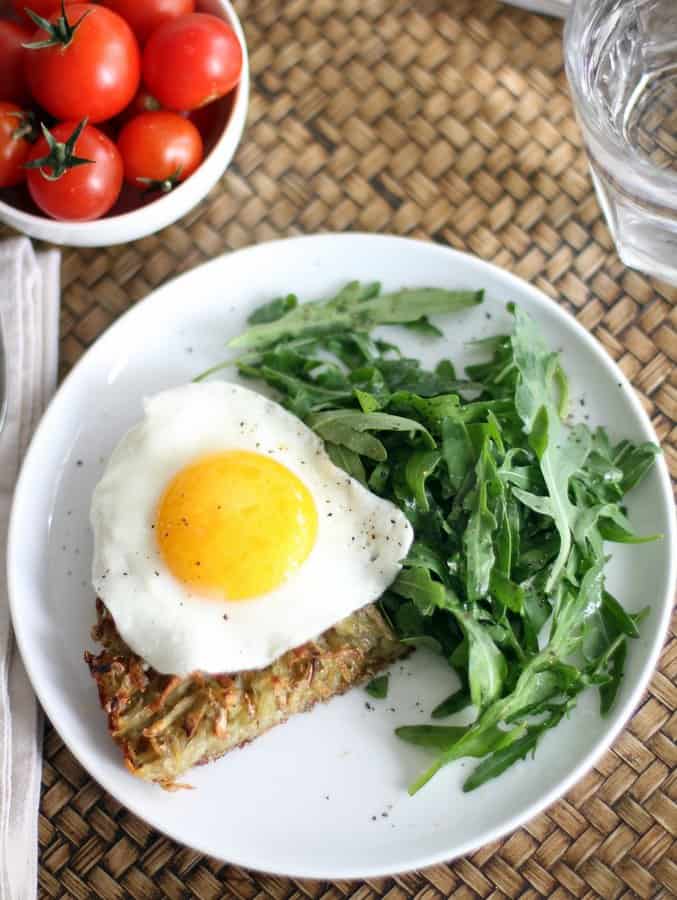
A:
(558, 9)
(541, 299)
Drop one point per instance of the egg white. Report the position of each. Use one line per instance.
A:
(361, 538)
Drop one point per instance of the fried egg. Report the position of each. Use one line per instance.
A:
(225, 536)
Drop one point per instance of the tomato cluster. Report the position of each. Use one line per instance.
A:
(93, 95)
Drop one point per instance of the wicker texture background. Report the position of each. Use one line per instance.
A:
(446, 120)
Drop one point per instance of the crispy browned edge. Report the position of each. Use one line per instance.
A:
(165, 724)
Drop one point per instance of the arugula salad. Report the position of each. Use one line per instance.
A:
(510, 505)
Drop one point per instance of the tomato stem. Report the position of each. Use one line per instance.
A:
(61, 32)
(61, 156)
(163, 185)
(26, 127)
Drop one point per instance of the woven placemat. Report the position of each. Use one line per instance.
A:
(446, 120)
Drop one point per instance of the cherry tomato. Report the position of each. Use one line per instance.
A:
(82, 192)
(92, 70)
(191, 61)
(142, 102)
(145, 16)
(43, 8)
(14, 144)
(159, 149)
(12, 81)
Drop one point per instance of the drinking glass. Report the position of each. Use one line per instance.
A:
(621, 61)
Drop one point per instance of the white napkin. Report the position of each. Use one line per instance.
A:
(29, 311)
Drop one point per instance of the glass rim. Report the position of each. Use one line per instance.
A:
(643, 174)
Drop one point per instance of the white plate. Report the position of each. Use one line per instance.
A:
(325, 795)
(547, 7)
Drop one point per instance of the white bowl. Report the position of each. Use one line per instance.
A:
(145, 220)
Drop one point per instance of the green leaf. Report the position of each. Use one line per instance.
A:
(510, 506)
(457, 451)
(349, 427)
(415, 584)
(634, 462)
(516, 747)
(424, 556)
(347, 460)
(419, 466)
(605, 521)
(624, 623)
(378, 687)
(487, 668)
(537, 365)
(560, 455)
(271, 312)
(432, 411)
(478, 536)
(340, 432)
(609, 691)
(506, 591)
(425, 641)
(425, 327)
(572, 610)
(615, 527)
(379, 478)
(454, 703)
(438, 737)
(474, 741)
(355, 308)
(368, 402)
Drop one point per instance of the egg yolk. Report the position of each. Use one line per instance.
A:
(235, 525)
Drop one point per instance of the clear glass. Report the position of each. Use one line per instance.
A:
(621, 61)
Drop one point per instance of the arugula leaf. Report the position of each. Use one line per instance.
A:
(347, 460)
(634, 462)
(355, 308)
(378, 479)
(509, 594)
(439, 737)
(454, 703)
(271, 312)
(616, 667)
(351, 428)
(520, 742)
(417, 469)
(572, 610)
(510, 505)
(457, 451)
(478, 536)
(415, 583)
(560, 456)
(378, 687)
(487, 668)
(425, 327)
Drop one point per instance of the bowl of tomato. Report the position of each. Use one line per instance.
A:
(116, 118)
